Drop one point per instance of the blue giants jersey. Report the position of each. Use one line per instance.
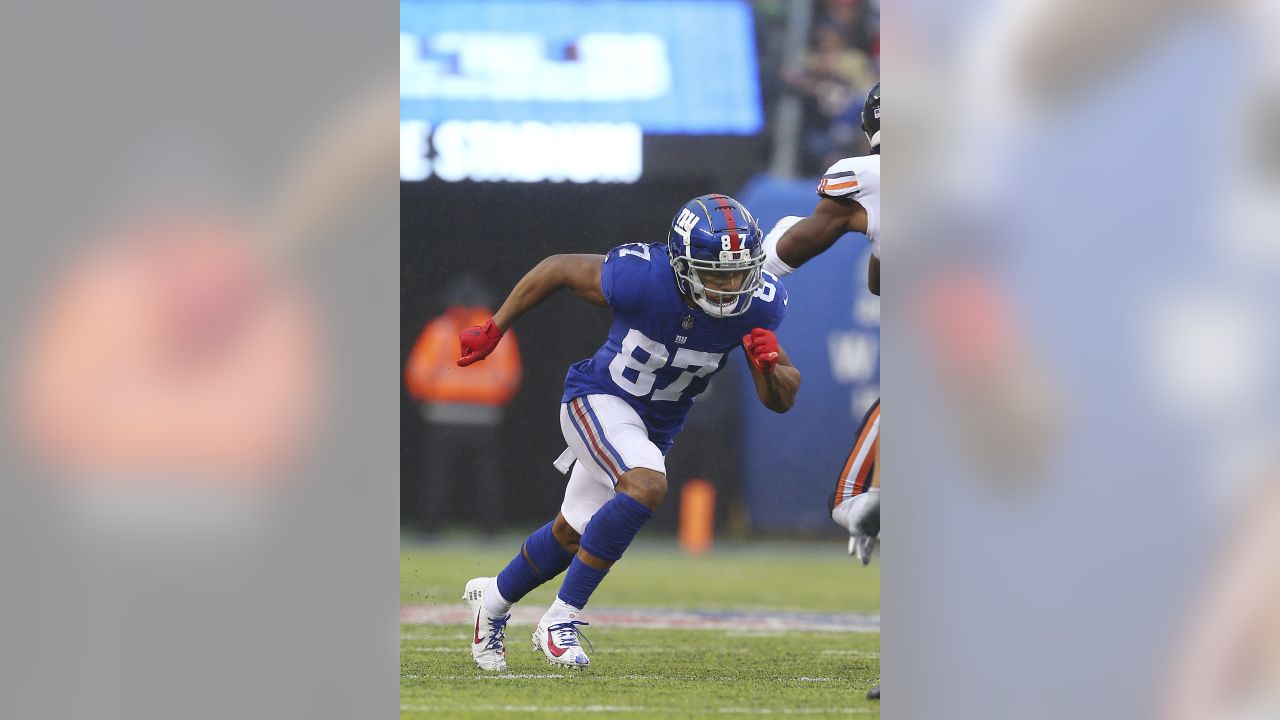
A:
(661, 353)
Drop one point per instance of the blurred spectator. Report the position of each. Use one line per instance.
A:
(856, 21)
(833, 84)
(771, 49)
(463, 411)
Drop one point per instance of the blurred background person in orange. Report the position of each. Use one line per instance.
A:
(463, 410)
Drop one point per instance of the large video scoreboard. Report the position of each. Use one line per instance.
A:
(565, 90)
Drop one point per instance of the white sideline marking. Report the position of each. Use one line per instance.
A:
(636, 709)
(644, 650)
(530, 708)
(461, 648)
(489, 675)
(549, 676)
(526, 676)
(792, 711)
(754, 622)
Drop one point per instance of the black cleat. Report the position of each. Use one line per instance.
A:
(874, 693)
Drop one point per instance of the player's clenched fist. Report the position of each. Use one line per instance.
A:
(478, 341)
(762, 349)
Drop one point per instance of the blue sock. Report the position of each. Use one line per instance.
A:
(610, 531)
(540, 559)
(579, 583)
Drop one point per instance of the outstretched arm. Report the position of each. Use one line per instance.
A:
(580, 273)
(777, 380)
(811, 236)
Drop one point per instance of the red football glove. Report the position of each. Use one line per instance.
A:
(762, 349)
(477, 342)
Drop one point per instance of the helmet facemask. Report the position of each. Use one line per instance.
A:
(714, 302)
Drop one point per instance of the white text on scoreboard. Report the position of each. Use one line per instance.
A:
(516, 67)
(489, 151)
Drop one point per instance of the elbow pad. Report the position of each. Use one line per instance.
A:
(772, 263)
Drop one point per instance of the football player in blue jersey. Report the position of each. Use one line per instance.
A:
(679, 309)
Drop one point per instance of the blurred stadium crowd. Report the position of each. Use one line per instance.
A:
(840, 63)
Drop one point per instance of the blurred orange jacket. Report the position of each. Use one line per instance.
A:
(432, 374)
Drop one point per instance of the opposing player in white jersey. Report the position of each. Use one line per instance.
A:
(849, 201)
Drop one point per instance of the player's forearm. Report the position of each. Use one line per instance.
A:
(808, 239)
(536, 286)
(580, 273)
(777, 390)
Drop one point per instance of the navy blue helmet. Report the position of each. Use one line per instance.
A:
(716, 234)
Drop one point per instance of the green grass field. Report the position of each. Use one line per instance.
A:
(652, 673)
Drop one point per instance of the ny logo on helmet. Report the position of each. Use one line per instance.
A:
(685, 223)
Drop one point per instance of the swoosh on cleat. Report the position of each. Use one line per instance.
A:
(477, 637)
(551, 646)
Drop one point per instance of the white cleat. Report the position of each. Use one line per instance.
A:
(864, 547)
(558, 641)
(487, 647)
(860, 515)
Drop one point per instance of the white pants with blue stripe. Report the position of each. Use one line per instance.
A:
(607, 438)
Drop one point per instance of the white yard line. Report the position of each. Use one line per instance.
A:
(754, 623)
(521, 676)
(556, 676)
(606, 709)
